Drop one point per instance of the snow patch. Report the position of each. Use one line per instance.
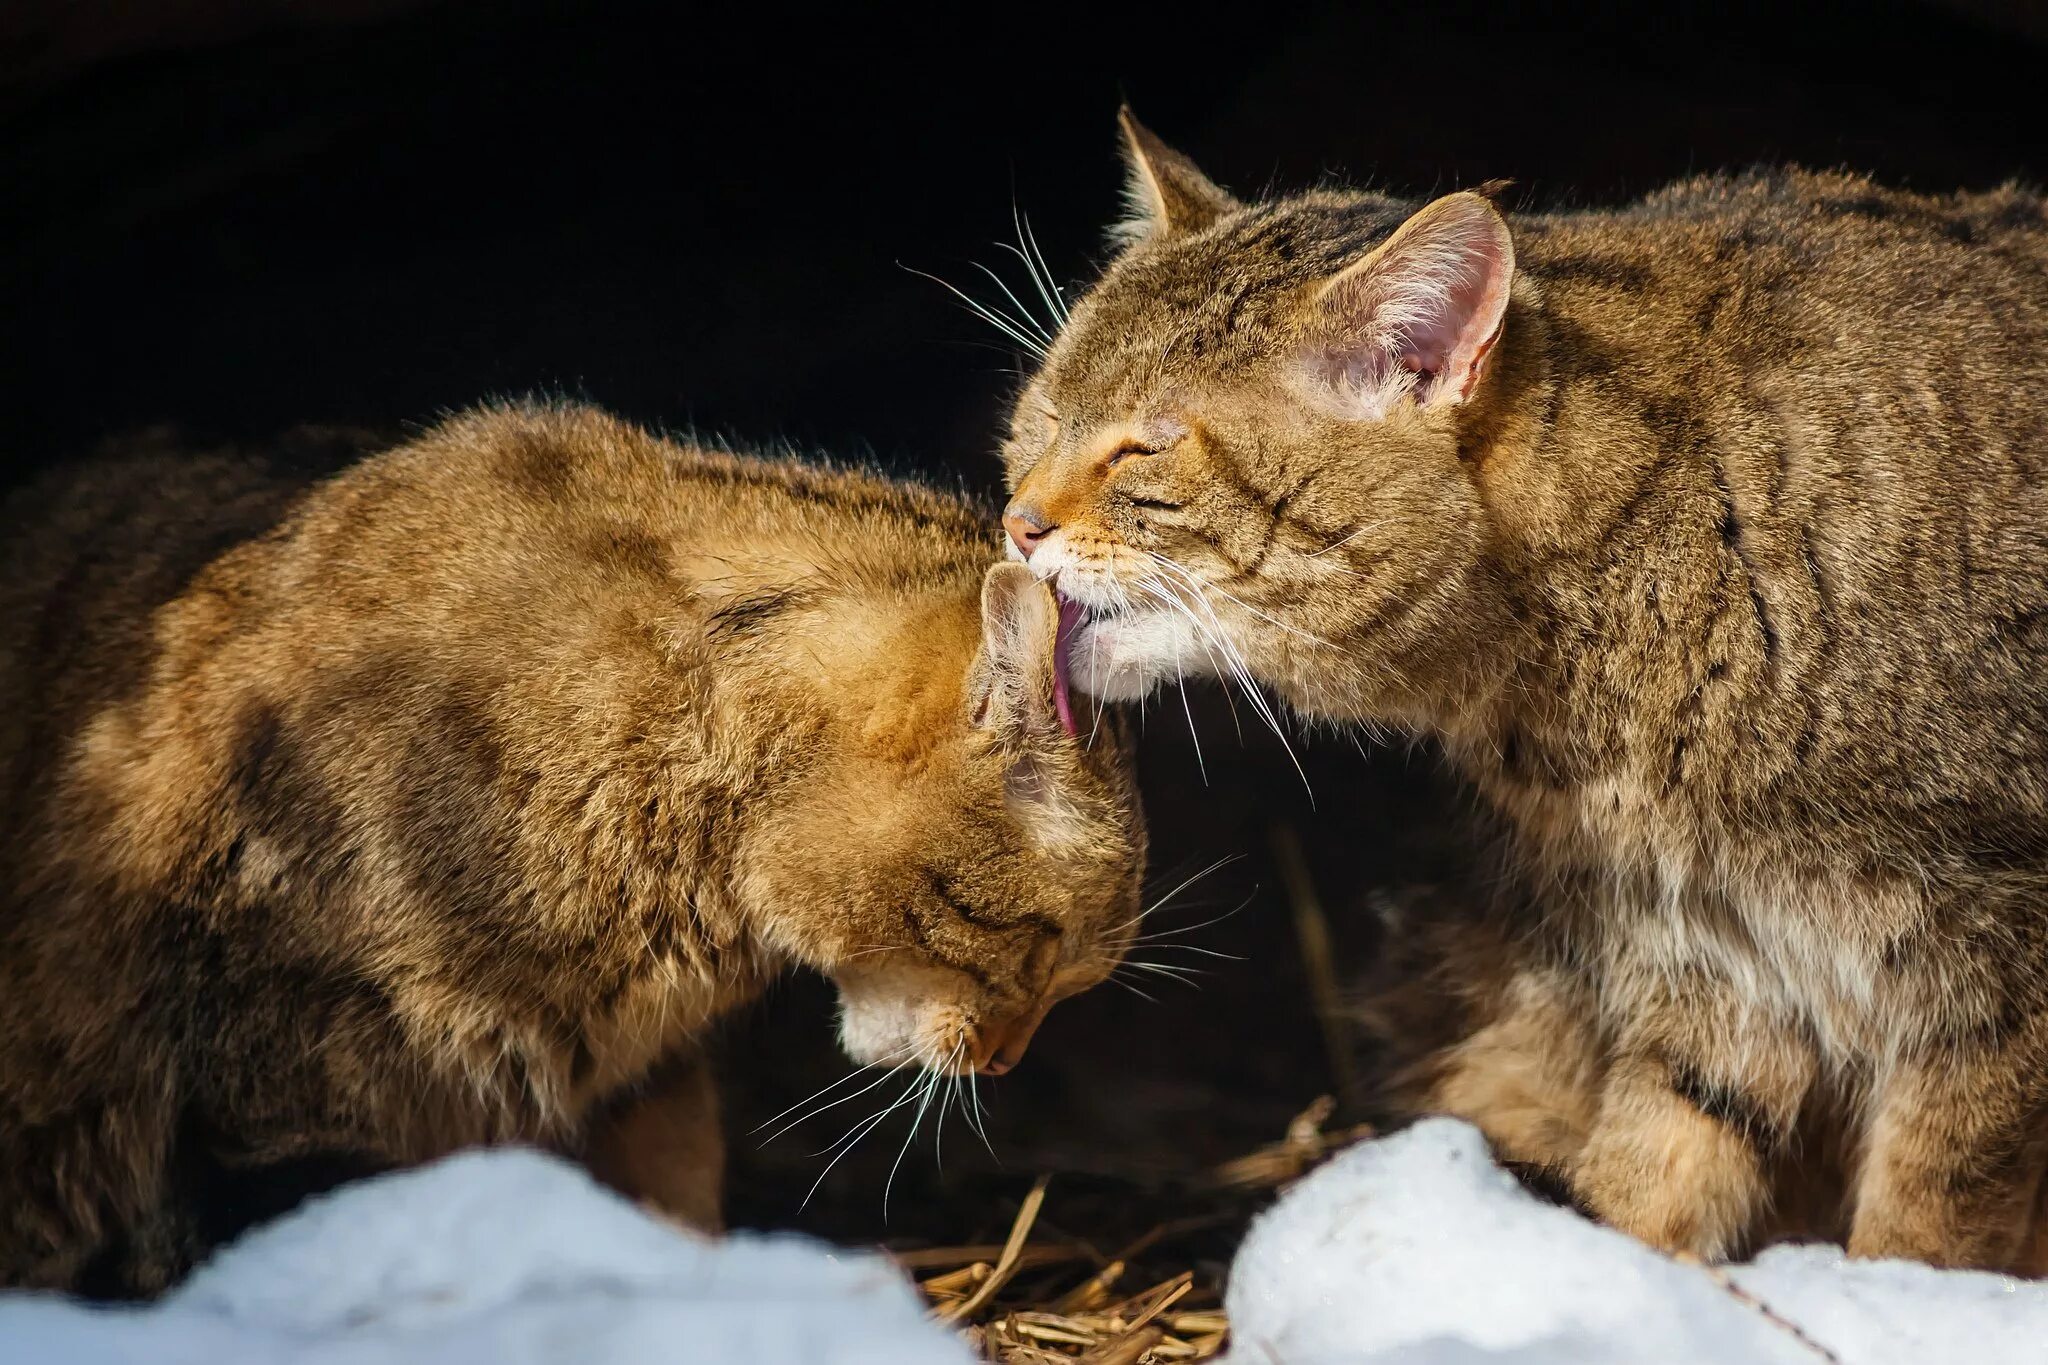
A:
(496, 1258)
(1413, 1250)
(1417, 1249)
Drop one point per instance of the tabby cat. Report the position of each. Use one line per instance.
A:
(449, 800)
(1709, 536)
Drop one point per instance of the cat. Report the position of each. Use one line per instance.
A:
(1708, 536)
(451, 799)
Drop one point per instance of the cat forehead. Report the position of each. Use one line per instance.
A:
(1210, 302)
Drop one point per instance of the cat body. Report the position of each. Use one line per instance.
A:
(450, 800)
(1709, 536)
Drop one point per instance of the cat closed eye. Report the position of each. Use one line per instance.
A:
(1127, 450)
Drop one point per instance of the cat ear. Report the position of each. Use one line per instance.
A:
(1419, 317)
(1019, 632)
(1164, 194)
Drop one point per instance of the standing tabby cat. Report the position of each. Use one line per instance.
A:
(1710, 536)
(449, 800)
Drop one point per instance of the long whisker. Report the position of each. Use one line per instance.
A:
(1185, 882)
(840, 1102)
(1185, 976)
(1168, 968)
(931, 1085)
(1180, 680)
(995, 317)
(1228, 596)
(1023, 313)
(1346, 540)
(1238, 666)
(1034, 266)
(1031, 269)
(1056, 299)
(1157, 589)
(876, 948)
(980, 1120)
(1191, 948)
(1163, 934)
(855, 1074)
(850, 1139)
(949, 1093)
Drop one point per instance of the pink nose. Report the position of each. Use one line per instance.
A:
(1025, 528)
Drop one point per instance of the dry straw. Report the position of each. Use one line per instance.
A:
(1090, 1314)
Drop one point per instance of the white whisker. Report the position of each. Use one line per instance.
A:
(855, 1074)
(1237, 666)
(1055, 299)
(1023, 314)
(931, 1085)
(1346, 540)
(1146, 996)
(995, 317)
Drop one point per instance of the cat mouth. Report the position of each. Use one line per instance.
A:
(1073, 615)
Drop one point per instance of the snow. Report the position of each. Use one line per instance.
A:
(1418, 1249)
(496, 1258)
(1412, 1250)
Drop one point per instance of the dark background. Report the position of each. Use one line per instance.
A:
(236, 216)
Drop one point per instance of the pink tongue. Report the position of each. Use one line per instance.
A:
(1071, 614)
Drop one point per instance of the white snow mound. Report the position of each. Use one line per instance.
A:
(1415, 1250)
(1418, 1249)
(500, 1257)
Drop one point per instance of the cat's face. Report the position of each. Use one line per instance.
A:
(1241, 455)
(971, 859)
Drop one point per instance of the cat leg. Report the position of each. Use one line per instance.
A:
(1529, 1078)
(2032, 1259)
(1954, 1157)
(663, 1145)
(1700, 1099)
(81, 1200)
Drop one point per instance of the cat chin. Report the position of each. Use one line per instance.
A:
(882, 1027)
(1128, 657)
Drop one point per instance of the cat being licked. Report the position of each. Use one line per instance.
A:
(1709, 537)
(451, 799)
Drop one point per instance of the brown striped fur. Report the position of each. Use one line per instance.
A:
(449, 801)
(1709, 536)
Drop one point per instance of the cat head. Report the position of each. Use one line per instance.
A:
(969, 853)
(1242, 452)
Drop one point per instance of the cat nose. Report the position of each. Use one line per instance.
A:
(1026, 527)
(999, 1044)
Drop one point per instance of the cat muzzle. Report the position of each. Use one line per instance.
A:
(999, 1043)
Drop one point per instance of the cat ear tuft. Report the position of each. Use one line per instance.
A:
(1419, 317)
(1019, 632)
(1164, 194)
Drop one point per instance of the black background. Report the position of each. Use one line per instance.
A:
(237, 216)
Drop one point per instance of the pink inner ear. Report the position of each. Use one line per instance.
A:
(1473, 309)
(1432, 302)
(1440, 337)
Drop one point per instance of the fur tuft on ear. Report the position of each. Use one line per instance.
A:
(1418, 317)
(1019, 633)
(1164, 194)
